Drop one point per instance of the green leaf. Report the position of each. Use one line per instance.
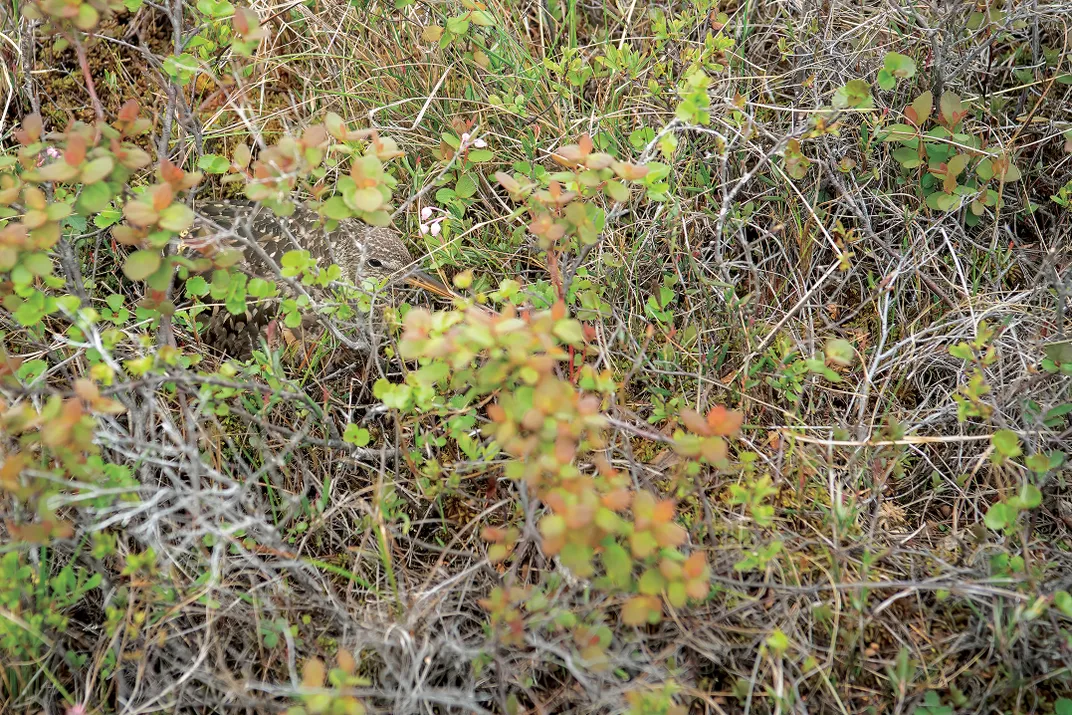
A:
(900, 133)
(651, 583)
(1030, 496)
(97, 169)
(141, 264)
(617, 190)
(336, 208)
(907, 157)
(899, 66)
(778, 642)
(465, 187)
(886, 80)
(458, 25)
(1063, 601)
(479, 155)
(213, 163)
(108, 216)
(676, 594)
(215, 8)
(1038, 463)
(31, 370)
(481, 18)
(196, 285)
(569, 331)
(368, 199)
(553, 525)
(38, 264)
(999, 515)
(1006, 443)
(94, 198)
(177, 218)
(357, 436)
(618, 565)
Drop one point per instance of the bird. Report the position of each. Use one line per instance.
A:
(360, 250)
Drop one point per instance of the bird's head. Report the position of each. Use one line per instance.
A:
(373, 252)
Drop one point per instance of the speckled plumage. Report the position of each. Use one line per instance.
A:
(362, 251)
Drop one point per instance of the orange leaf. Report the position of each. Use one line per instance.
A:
(162, 196)
(637, 609)
(695, 564)
(31, 128)
(617, 500)
(129, 111)
(76, 149)
(663, 512)
(723, 422)
(643, 508)
(492, 534)
(170, 173)
(694, 422)
(670, 534)
(313, 673)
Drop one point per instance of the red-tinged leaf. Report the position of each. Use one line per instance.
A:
(663, 511)
(723, 422)
(695, 565)
(643, 508)
(242, 156)
(161, 196)
(552, 545)
(617, 500)
(951, 109)
(585, 144)
(31, 127)
(129, 111)
(694, 422)
(56, 171)
(670, 534)
(568, 155)
(714, 449)
(140, 214)
(636, 610)
(133, 157)
(697, 589)
(630, 172)
(75, 153)
(314, 135)
(920, 110)
(507, 182)
(492, 534)
(599, 160)
(314, 673)
(245, 20)
(170, 173)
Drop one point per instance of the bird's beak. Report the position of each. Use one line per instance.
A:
(430, 284)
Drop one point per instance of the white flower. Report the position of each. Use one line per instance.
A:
(435, 228)
(424, 229)
(426, 213)
(465, 137)
(480, 143)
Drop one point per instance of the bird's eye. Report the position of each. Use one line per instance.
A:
(375, 263)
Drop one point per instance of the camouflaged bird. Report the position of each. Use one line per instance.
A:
(362, 251)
